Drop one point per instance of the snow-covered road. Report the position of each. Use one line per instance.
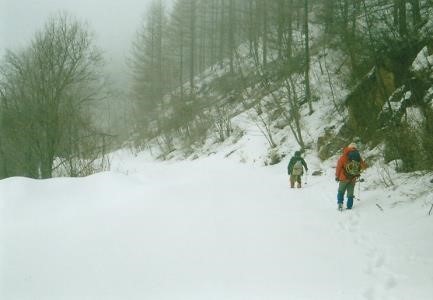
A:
(207, 229)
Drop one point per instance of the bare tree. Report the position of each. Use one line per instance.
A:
(147, 60)
(46, 91)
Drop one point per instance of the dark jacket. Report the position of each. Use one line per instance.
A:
(292, 162)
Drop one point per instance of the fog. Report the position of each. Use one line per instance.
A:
(114, 23)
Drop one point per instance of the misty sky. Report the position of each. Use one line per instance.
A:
(114, 22)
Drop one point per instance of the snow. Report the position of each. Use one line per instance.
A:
(422, 61)
(222, 226)
(211, 228)
(415, 117)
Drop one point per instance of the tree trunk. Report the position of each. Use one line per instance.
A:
(222, 35)
(294, 112)
(290, 31)
(402, 22)
(416, 13)
(159, 54)
(232, 34)
(307, 58)
(265, 33)
(214, 19)
(329, 11)
(280, 27)
(192, 46)
(181, 64)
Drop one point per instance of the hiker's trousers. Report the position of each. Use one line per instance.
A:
(347, 186)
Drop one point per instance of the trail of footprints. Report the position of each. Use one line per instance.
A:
(383, 280)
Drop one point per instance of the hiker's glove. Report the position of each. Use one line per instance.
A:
(337, 179)
(361, 180)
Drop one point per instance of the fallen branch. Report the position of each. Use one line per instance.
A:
(380, 207)
(429, 213)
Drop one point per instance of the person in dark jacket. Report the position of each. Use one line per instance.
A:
(296, 169)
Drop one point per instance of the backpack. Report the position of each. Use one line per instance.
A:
(298, 168)
(352, 167)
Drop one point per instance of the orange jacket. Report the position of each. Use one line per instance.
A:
(339, 171)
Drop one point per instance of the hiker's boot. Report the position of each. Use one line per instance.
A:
(349, 202)
(340, 197)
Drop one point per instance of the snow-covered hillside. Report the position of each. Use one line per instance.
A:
(211, 228)
(221, 225)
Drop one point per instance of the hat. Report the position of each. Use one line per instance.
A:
(352, 145)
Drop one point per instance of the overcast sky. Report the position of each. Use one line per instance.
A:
(113, 21)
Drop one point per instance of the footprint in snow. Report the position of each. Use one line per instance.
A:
(370, 293)
(391, 282)
(380, 261)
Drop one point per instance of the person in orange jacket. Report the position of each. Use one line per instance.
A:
(349, 168)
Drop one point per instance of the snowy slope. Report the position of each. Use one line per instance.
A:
(211, 228)
(222, 226)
